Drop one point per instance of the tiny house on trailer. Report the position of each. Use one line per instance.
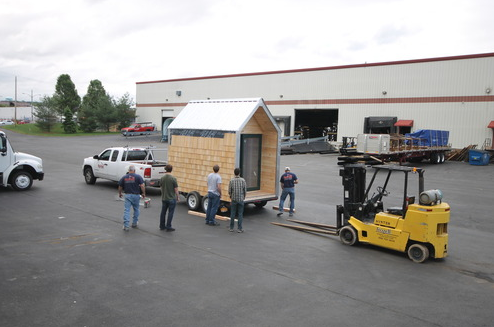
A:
(230, 133)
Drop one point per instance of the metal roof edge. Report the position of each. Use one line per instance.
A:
(386, 63)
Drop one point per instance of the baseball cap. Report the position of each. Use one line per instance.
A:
(287, 168)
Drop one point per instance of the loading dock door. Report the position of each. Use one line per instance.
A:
(379, 125)
(312, 123)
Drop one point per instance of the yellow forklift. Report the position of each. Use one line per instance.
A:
(419, 229)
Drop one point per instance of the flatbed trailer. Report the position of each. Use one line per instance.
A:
(381, 148)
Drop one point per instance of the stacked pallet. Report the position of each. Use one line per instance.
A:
(460, 154)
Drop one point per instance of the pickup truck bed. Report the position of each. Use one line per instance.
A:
(113, 163)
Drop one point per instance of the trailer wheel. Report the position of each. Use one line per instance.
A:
(348, 235)
(418, 253)
(89, 176)
(204, 203)
(442, 157)
(22, 181)
(434, 158)
(260, 204)
(194, 201)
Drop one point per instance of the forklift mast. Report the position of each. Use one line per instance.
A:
(353, 180)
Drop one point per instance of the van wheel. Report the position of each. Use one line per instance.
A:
(89, 176)
(348, 235)
(22, 181)
(418, 253)
(194, 201)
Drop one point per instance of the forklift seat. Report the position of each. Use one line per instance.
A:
(395, 211)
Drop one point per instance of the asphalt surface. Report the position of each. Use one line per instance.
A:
(65, 261)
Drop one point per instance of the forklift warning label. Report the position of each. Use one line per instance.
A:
(385, 235)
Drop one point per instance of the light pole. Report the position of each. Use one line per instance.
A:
(32, 117)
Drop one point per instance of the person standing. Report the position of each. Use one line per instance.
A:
(169, 198)
(237, 189)
(132, 185)
(287, 181)
(214, 196)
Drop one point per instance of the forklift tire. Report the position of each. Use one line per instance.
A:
(418, 253)
(348, 235)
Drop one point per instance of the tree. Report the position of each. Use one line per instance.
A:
(106, 114)
(125, 111)
(66, 95)
(69, 125)
(46, 114)
(89, 111)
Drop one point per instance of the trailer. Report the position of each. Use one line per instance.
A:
(421, 145)
(230, 133)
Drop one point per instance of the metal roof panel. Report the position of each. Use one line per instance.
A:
(222, 115)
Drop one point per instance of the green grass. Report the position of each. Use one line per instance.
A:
(32, 129)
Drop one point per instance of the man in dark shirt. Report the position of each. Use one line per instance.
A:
(133, 186)
(287, 181)
(169, 198)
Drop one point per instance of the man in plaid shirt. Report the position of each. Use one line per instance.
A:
(237, 189)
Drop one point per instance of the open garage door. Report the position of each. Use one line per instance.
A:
(312, 123)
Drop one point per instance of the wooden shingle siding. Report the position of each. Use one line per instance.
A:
(193, 159)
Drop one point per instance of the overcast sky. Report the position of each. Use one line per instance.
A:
(121, 42)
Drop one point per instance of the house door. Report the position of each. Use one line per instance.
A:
(250, 160)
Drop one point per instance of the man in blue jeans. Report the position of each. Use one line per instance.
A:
(169, 198)
(133, 186)
(214, 196)
(287, 181)
(237, 189)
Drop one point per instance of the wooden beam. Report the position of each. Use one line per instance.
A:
(307, 229)
(312, 224)
(203, 215)
(284, 209)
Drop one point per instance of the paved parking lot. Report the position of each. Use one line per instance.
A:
(65, 260)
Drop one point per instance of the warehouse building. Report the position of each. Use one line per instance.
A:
(448, 93)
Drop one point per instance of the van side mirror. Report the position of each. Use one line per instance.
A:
(3, 145)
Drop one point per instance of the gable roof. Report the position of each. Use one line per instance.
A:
(219, 115)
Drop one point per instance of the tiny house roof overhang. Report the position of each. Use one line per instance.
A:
(221, 115)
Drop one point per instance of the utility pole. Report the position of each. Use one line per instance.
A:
(15, 103)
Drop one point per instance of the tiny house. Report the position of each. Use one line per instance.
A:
(230, 133)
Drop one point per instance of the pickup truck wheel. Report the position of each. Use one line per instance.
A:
(348, 235)
(21, 181)
(89, 176)
(418, 253)
(194, 201)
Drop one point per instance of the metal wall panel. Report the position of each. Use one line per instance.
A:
(446, 93)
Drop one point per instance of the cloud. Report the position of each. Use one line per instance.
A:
(121, 42)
